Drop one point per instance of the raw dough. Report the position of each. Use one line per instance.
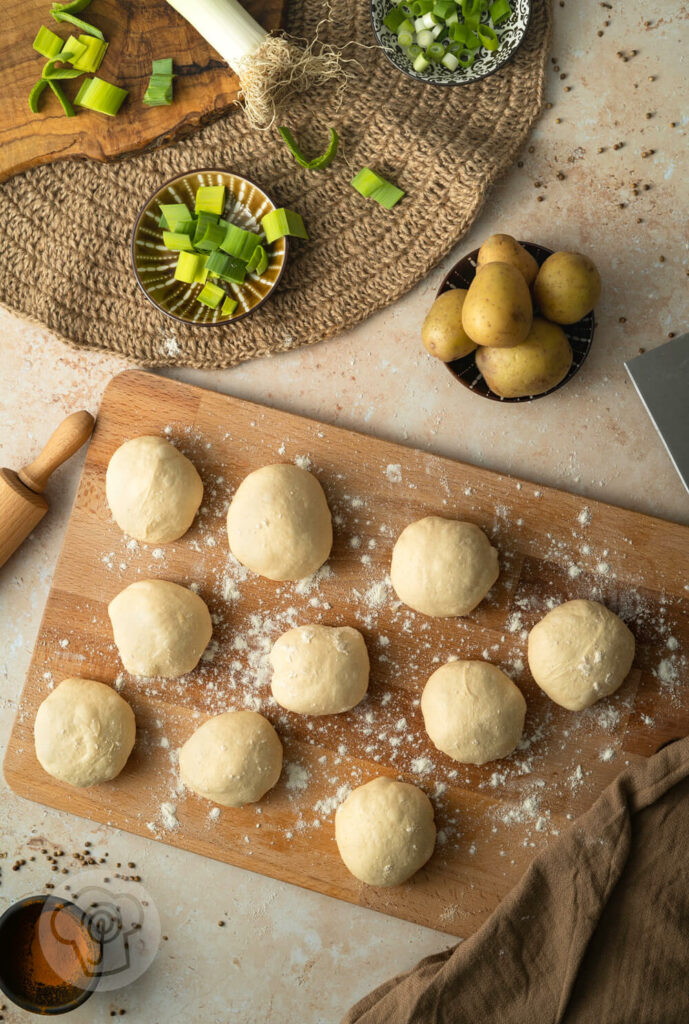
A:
(579, 653)
(319, 670)
(160, 628)
(279, 524)
(84, 732)
(473, 712)
(153, 490)
(232, 759)
(385, 831)
(443, 567)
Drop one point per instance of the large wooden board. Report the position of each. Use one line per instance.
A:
(137, 33)
(492, 820)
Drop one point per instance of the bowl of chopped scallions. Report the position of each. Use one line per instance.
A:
(450, 42)
(209, 247)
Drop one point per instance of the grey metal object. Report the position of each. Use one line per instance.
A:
(661, 378)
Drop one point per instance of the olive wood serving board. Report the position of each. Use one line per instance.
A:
(492, 819)
(205, 88)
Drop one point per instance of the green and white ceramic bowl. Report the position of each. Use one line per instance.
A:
(154, 265)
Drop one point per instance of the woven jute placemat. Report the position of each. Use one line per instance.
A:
(65, 260)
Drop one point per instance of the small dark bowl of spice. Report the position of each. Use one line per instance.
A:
(48, 958)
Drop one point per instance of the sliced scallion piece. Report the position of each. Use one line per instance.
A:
(92, 57)
(36, 93)
(47, 42)
(318, 163)
(85, 26)
(62, 97)
(210, 199)
(281, 222)
(450, 61)
(499, 11)
(211, 295)
(229, 306)
(394, 18)
(420, 63)
(100, 96)
(436, 52)
(424, 38)
(488, 37)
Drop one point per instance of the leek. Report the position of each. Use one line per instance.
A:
(73, 7)
(211, 295)
(173, 214)
(210, 199)
(177, 241)
(92, 56)
(64, 102)
(271, 69)
(100, 96)
(85, 26)
(47, 43)
(36, 93)
(372, 186)
(319, 162)
(189, 266)
(281, 222)
(229, 306)
(73, 49)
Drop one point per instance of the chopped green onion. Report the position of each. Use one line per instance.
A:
(64, 101)
(211, 295)
(47, 42)
(281, 222)
(177, 240)
(444, 9)
(73, 49)
(466, 58)
(429, 20)
(424, 38)
(50, 70)
(100, 96)
(405, 39)
(421, 7)
(210, 199)
(92, 57)
(373, 186)
(450, 61)
(500, 10)
(90, 30)
(394, 18)
(318, 163)
(73, 7)
(488, 37)
(413, 51)
(174, 214)
(211, 238)
(420, 63)
(436, 52)
(229, 306)
(36, 93)
(189, 266)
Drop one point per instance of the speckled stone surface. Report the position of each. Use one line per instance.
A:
(285, 956)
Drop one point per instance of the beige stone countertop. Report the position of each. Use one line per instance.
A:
(287, 956)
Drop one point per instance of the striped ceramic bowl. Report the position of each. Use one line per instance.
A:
(154, 265)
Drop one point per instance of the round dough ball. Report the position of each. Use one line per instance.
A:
(232, 759)
(153, 490)
(319, 670)
(278, 523)
(385, 831)
(160, 628)
(443, 567)
(473, 712)
(580, 652)
(84, 732)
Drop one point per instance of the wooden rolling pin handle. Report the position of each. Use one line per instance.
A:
(63, 443)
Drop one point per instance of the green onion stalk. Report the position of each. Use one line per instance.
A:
(271, 68)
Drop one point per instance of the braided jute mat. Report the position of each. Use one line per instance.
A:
(64, 257)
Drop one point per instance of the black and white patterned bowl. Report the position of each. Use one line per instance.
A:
(579, 335)
(154, 265)
(511, 35)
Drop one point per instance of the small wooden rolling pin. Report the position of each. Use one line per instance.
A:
(22, 505)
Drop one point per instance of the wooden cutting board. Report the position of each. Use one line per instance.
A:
(137, 33)
(491, 820)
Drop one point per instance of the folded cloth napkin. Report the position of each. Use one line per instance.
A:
(597, 931)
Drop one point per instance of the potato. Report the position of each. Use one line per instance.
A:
(505, 249)
(567, 287)
(535, 366)
(497, 310)
(442, 332)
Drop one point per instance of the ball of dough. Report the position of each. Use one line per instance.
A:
(279, 524)
(443, 567)
(580, 652)
(160, 628)
(153, 490)
(385, 831)
(232, 759)
(473, 712)
(319, 670)
(84, 732)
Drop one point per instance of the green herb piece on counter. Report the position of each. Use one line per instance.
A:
(210, 199)
(279, 223)
(73, 7)
(85, 26)
(100, 96)
(211, 295)
(173, 215)
(47, 42)
(62, 97)
(36, 93)
(318, 163)
(92, 57)
(372, 186)
(73, 49)
(229, 306)
(211, 238)
(52, 71)
(177, 240)
(499, 11)
(488, 37)
(189, 267)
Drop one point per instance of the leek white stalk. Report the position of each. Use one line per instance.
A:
(271, 68)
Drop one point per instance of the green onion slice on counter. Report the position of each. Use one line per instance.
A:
(36, 93)
(100, 96)
(159, 90)
(47, 43)
(211, 295)
(279, 223)
(318, 163)
(85, 26)
(64, 101)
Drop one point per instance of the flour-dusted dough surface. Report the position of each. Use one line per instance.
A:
(443, 567)
(385, 831)
(279, 523)
(84, 732)
(319, 670)
(232, 759)
(473, 712)
(160, 628)
(153, 490)
(580, 652)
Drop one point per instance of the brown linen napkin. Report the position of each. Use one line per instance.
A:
(597, 931)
